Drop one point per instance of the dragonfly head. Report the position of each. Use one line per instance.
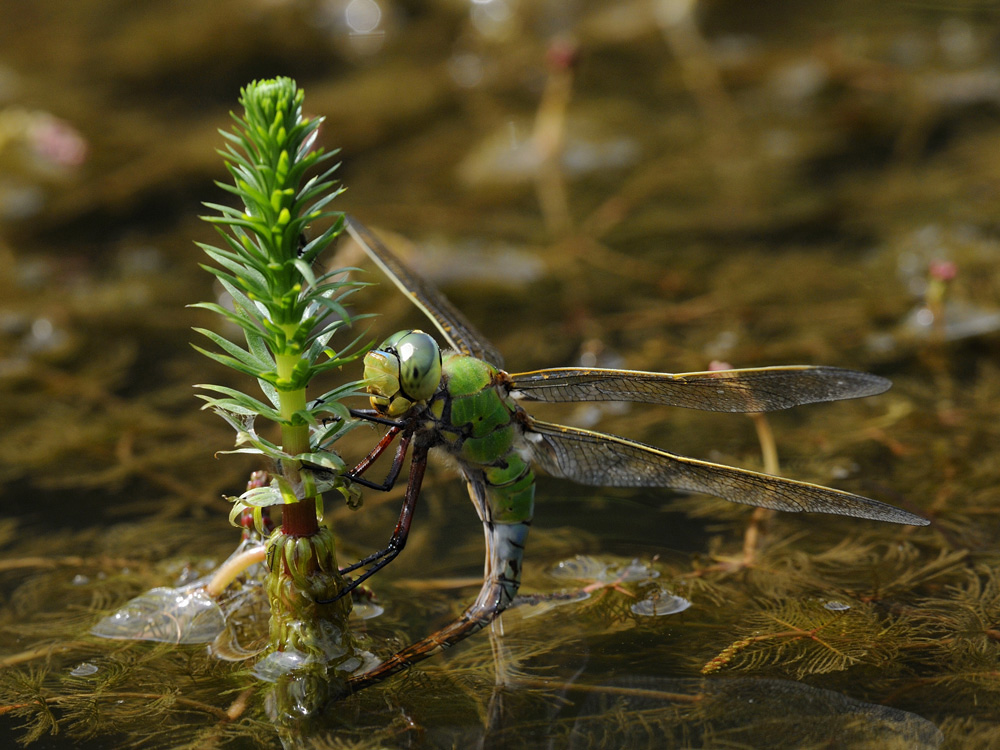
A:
(404, 370)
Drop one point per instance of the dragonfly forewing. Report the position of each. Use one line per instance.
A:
(457, 330)
(748, 390)
(606, 460)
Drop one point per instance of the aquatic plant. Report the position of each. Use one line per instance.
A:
(288, 315)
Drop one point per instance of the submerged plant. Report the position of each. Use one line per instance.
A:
(288, 315)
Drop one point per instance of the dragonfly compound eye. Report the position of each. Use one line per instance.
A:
(419, 365)
(389, 345)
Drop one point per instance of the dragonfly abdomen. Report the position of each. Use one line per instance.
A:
(481, 430)
(510, 489)
(506, 512)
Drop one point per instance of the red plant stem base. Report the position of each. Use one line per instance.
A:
(299, 519)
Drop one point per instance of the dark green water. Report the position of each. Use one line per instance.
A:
(766, 187)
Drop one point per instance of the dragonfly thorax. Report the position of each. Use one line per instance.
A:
(404, 370)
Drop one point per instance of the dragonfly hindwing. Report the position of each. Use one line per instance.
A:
(607, 460)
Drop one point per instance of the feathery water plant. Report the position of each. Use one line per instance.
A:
(288, 315)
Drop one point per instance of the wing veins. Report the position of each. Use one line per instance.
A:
(458, 332)
(745, 390)
(607, 460)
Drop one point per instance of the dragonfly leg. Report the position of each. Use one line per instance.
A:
(504, 544)
(397, 541)
(397, 462)
(370, 415)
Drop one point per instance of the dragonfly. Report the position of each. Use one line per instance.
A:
(460, 401)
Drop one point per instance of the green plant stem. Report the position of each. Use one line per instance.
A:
(297, 519)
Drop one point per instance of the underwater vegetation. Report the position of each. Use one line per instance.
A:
(785, 648)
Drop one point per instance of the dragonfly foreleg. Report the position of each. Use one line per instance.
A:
(370, 415)
(397, 541)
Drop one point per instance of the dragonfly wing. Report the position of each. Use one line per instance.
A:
(457, 331)
(606, 460)
(749, 390)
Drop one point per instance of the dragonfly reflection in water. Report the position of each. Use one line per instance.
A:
(462, 402)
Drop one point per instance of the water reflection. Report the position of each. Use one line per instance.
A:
(741, 712)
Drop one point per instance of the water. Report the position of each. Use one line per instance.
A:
(761, 188)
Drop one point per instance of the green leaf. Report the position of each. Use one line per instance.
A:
(302, 373)
(248, 283)
(323, 459)
(230, 406)
(333, 363)
(238, 263)
(313, 197)
(316, 342)
(318, 244)
(339, 280)
(262, 497)
(249, 404)
(347, 354)
(236, 364)
(257, 343)
(244, 247)
(235, 350)
(334, 307)
(232, 316)
(332, 289)
(246, 435)
(242, 304)
(332, 432)
(241, 289)
(330, 401)
(306, 272)
(320, 203)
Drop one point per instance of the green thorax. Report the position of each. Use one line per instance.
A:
(475, 421)
(472, 411)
